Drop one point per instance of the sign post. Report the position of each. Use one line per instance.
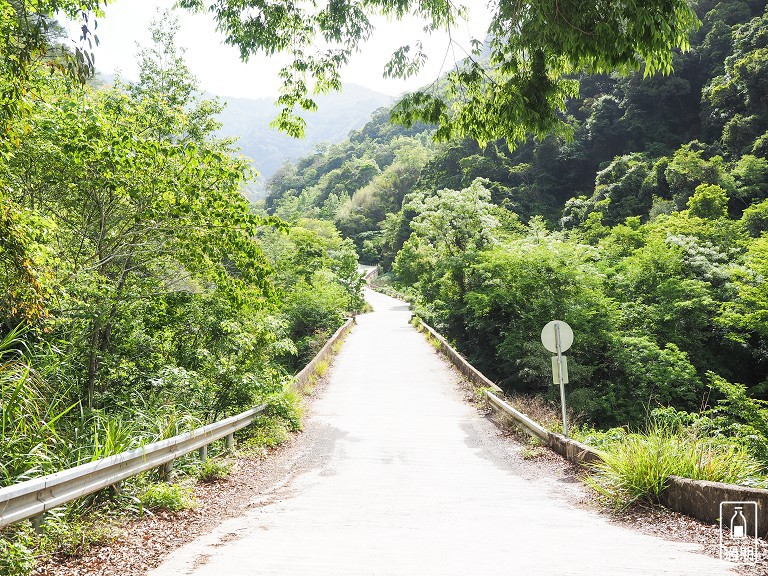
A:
(557, 337)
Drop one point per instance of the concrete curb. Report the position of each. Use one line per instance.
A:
(569, 449)
(474, 375)
(699, 499)
(303, 378)
(574, 450)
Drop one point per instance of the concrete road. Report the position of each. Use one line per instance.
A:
(397, 475)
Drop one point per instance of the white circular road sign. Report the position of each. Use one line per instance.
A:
(549, 337)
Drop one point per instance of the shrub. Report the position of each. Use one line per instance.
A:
(267, 433)
(74, 537)
(16, 554)
(173, 497)
(637, 468)
(212, 470)
(285, 406)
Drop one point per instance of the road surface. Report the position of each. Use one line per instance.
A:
(397, 475)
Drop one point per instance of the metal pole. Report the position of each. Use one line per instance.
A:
(166, 471)
(560, 377)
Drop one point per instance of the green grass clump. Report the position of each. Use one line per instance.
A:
(636, 468)
(213, 469)
(60, 533)
(321, 367)
(162, 496)
(73, 537)
(17, 557)
(267, 433)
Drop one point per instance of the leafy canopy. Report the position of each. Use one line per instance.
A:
(521, 87)
(28, 37)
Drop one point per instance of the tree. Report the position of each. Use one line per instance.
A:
(145, 201)
(708, 201)
(27, 40)
(449, 232)
(22, 294)
(748, 312)
(522, 87)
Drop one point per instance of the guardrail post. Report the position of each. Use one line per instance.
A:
(203, 453)
(37, 522)
(166, 471)
(229, 442)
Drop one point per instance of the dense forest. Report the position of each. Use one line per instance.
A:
(645, 230)
(140, 293)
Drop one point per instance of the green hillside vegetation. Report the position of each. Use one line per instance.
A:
(135, 274)
(140, 295)
(269, 149)
(646, 232)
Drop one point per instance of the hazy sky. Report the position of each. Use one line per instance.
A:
(220, 71)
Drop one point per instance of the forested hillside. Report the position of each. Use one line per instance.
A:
(140, 294)
(268, 149)
(248, 120)
(646, 231)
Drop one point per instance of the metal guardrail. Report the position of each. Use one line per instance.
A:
(372, 274)
(567, 447)
(34, 497)
(303, 377)
(534, 428)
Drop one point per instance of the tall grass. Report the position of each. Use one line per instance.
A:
(636, 468)
(42, 430)
(30, 417)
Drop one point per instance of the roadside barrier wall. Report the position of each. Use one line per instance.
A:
(699, 499)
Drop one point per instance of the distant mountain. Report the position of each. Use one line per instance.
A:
(248, 119)
(337, 114)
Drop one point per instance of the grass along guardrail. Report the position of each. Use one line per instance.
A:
(697, 498)
(33, 498)
(317, 366)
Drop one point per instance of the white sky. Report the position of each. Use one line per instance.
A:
(220, 71)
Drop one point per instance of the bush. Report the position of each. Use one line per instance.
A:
(648, 376)
(637, 468)
(16, 554)
(74, 537)
(212, 470)
(286, 407)
(173, 497)
(267, 433)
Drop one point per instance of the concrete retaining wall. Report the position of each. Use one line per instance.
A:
(303, 377)
(474, 375)
(699, 499)
(371, 275)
